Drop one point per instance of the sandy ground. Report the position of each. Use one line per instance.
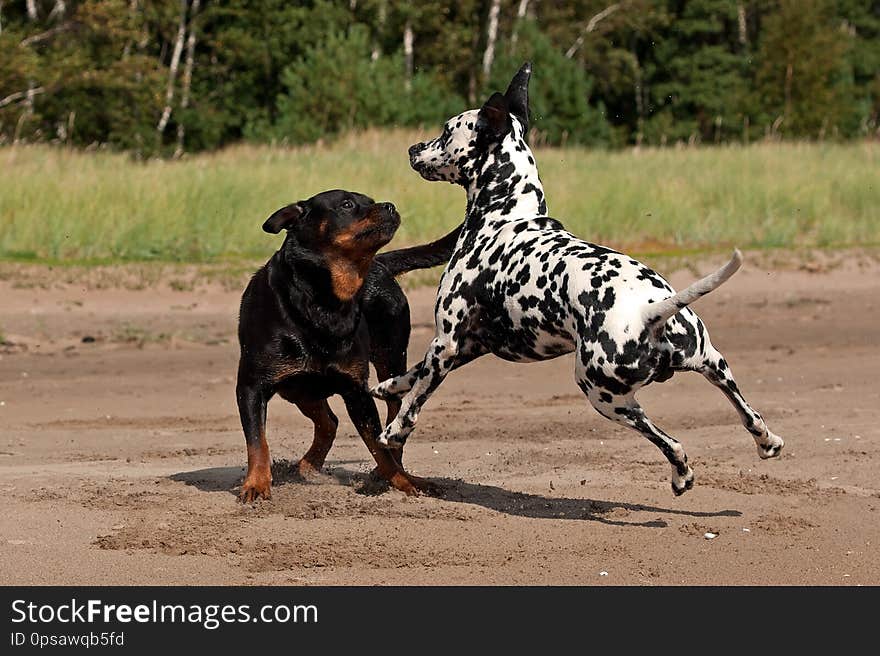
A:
(120, 454)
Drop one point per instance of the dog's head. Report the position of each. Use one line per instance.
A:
(337, 223)
(336, 231)
(452, 155)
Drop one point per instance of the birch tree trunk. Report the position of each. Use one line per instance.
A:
(32, 9)
(591, 25)
(18, 95)
(491, 37)
(132, 10)
(472, 68)
(408, 52)
(789, 78)
(58, 10)
(175, 64)
(520, 14)
(380, 29)
(27, 113)
(187, 73)
(741, 21)
(640, 106)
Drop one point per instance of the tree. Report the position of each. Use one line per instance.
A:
(335, 87)
(90, 94)
(861, 20)
(161, 77)
(802, 81)
(559, 92)
(611, 41)
(696, 73)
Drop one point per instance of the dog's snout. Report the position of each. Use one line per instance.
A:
(416, 149)
(389, 207)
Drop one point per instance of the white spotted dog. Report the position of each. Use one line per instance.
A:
(520, 286)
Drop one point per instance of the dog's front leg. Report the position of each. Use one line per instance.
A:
(397, 386)
(439, 361)
(362, 410)
(252, 411)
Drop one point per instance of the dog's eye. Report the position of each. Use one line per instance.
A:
(347, 205)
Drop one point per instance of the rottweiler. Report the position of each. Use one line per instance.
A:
(313, 318)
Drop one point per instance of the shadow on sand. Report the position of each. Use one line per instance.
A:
(518, 504)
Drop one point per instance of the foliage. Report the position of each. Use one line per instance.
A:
(558, 96)
(803, 79)
(696, 74)
(334, 88)
(96, 73)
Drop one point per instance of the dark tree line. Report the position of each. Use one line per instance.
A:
(169, 76)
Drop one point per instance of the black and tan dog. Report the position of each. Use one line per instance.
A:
(315, 316)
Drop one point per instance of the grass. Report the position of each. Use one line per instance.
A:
(62, 206)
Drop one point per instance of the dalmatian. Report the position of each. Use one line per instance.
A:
(523, 288)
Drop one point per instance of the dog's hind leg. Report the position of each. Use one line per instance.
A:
(716, 370)
(325, 432)
(624, 409)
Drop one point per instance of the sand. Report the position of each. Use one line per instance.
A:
(121, 453)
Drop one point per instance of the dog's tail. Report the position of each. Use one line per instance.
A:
(657, 314)
(424, 256)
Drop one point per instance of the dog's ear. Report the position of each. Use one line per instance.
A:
(493, 121)
(517, 95)
(284, 218)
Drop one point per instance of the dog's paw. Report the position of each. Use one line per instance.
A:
(393, 388)
(256, 486)
(772, 446)
(682, 483)
(308, 471)
(387, 391)
(380, 392)
(403, 483)
(392, 437)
